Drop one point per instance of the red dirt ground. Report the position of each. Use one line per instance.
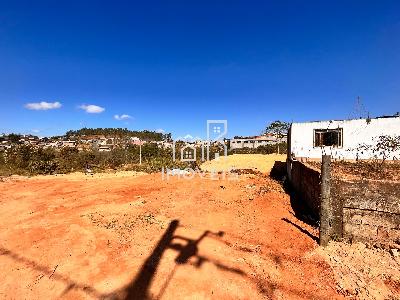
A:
(144, 237)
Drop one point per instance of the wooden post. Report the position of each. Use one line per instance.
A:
(140, 152)
(326, 214)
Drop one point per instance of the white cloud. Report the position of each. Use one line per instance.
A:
(92, 109)
(122, 117)
(43, 105)
(35, 130)
(160, 130)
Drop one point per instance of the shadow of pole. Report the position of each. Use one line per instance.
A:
(139, 288)
(71, 284)
(301, 229)
(140, 285)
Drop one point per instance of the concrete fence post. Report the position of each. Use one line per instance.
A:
(326, 210)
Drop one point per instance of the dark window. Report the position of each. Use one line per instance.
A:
(328, 137)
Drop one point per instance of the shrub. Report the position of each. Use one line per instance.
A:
(67, 160)
(28, 160)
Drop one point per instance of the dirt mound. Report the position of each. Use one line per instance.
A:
(259, 162)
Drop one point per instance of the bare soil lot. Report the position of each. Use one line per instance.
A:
(137, 237)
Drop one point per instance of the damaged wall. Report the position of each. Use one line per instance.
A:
(371, 208)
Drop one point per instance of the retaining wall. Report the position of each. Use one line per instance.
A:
(370, 208)
(306, 182)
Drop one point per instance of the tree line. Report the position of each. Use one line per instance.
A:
(29, 160)
(144, 135)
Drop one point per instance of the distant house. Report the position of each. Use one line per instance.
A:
(135, 141)
(51, 145)
(4, 145)
(105, 148)
(255, 141)
(68, 143)
(342, 139)
(163, 144)
(84, 146)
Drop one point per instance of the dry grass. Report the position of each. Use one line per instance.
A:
(260, 162)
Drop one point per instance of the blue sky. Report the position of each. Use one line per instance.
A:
(172, 65)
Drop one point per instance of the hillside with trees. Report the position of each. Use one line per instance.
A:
(144, 135)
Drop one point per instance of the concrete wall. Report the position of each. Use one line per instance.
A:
(370, 208)
(306, 183)
(355, 132)
(253, 143)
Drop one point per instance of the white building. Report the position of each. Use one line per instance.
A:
(255, 142)
(342, 139)
(68, 143)
(105, 148)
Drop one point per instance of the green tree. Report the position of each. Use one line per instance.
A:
(144, 135)
(278, 128)
(14, 138)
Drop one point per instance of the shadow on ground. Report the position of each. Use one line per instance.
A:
(52, 273)
(139, 287)
(305, 231)
(300, 208)
(187, 253)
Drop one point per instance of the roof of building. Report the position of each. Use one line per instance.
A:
(346, 120)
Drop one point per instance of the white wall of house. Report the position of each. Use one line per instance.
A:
(253, 143)
(355, 133)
